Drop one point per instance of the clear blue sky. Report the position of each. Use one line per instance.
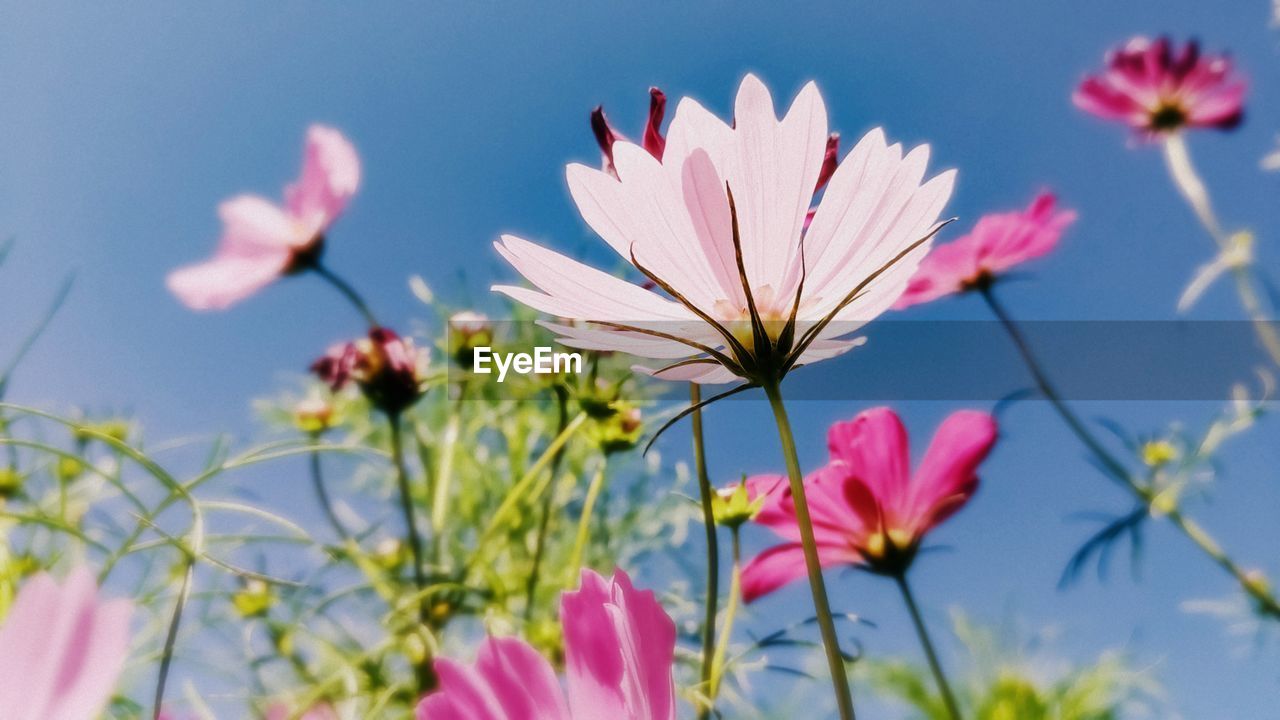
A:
(124, 124)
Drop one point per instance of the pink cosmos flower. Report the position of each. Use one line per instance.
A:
(390, 370)
(997, 243)
(867, 509)
(1156, 88)
(261, 240)
(322, 711)
(717, 225)
(619, 649)
(61, 649)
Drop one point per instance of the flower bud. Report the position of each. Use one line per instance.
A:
(1157, 453)
(69, 469)
(316, 414)
(732, 506)
(620, 431)
(468, 331)
(10, 482)
(254, 599)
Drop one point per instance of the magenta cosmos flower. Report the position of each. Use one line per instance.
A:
(61, 649)
(619, 646)
(261, 240)
(998, 242)
(868, 510)
(1155, 88)
(717, 225)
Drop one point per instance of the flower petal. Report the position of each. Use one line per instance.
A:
(330, 177)
(948, 472)
(782, 564)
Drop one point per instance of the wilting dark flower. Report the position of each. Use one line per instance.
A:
(387, 368)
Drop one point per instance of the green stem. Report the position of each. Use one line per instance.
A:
(713, 556)
(171, 637)
(730, 614)
(544, 523)
(444, 477)
(322, 494)
(817, 587)
(348, 292)
(425, 673)
(584, 523)
(948, 698)
(1266, 601)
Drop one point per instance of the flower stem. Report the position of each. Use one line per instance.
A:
(584, 522)
(713, 557)
(948, 698)
(322, 494)
(348, 292)
(406, 507)
(1266, 601)
(544, 523)
(171, 637)
(730, 613)
(1193, 190)
(444, 477)
(817, 587)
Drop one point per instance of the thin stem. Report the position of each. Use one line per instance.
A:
(713, 555)
(1192, 188)
(322, 494)
(444, 477)
(406, 507)
(171, 637)
(584, 523)
(544, 524)
(347, 291)
(948, 698)
(730, 613)
(1198, 535)
(424, 672)
(817, 587)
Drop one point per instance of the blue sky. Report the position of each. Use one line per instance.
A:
(124, 125)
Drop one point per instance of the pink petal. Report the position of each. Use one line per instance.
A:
(783, 564)
(522, 680)
(947, 477)
(873, 447)
(61, 650)
(330, 177)
(772, 172)
(619, 649)
(257, 242)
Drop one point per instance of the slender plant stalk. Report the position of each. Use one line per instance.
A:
(347, 291)
(584, 522)
(935, 666)
(1267, 602)
(444, 477)
(322, 494)
(171, 637)
(730, 614)
(818, 588)
(544, 523)
(713, 555)
(406, 507)
(1183, 172)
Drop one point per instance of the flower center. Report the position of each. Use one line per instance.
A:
(1168, 116)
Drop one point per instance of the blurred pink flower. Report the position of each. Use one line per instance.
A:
(61, 649)
(867, 509)
(390, 370)
(717, 225)
(653, 141)
(619, 649)
(1155, 88)
(261, 240)
(997, 243)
